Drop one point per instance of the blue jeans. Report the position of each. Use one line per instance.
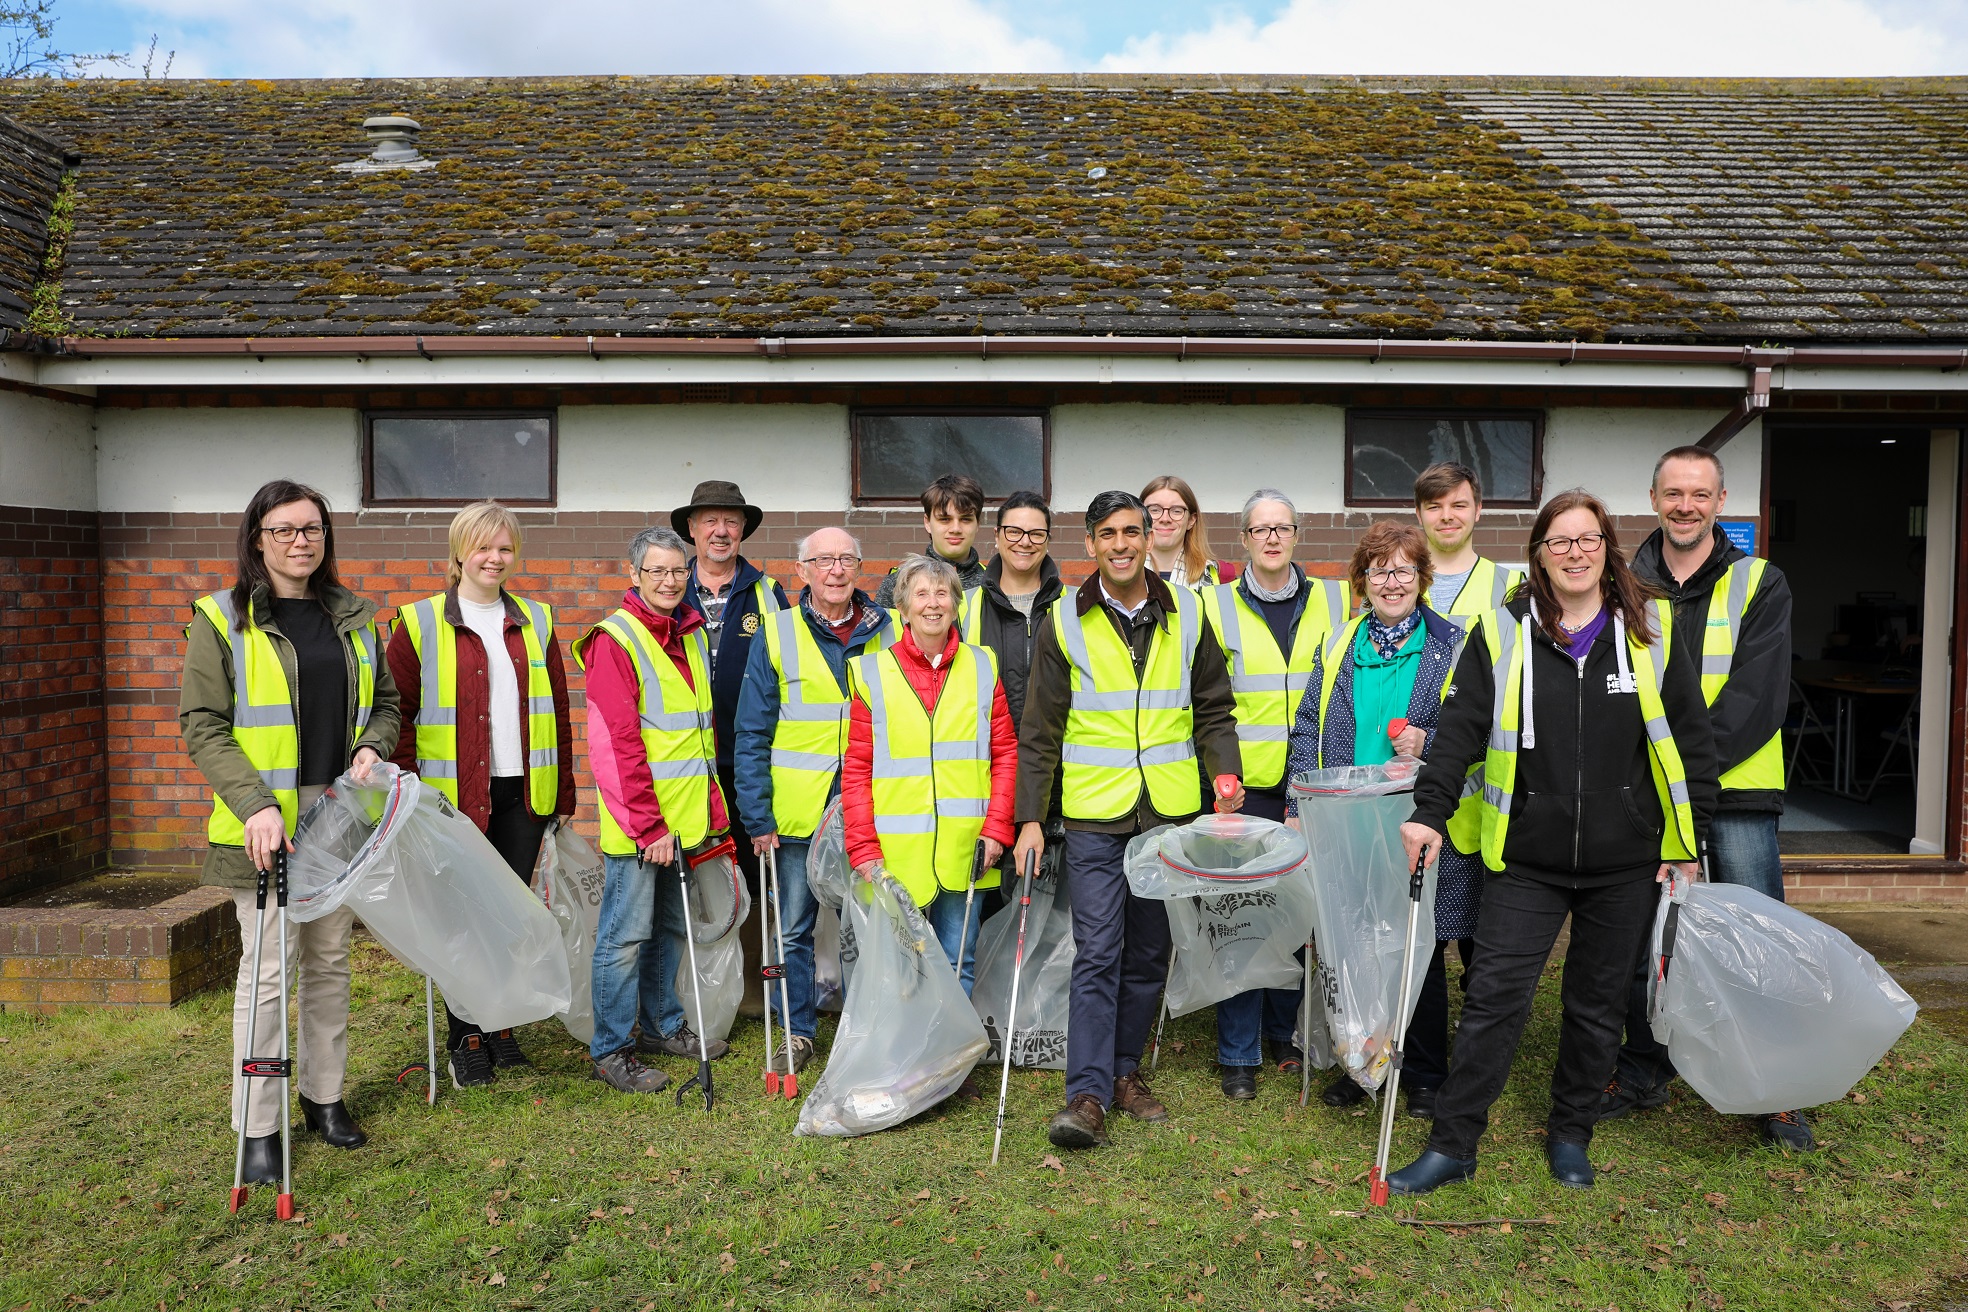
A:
(1742, 849)
(945, 914)
(797, 904)
(640, 905)
(1245, 1019)
(1121, 953)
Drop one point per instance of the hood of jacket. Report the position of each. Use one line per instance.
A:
(1650, 564)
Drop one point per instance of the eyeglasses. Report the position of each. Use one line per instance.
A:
(1272, 532)
(828, 564)
(1167, 512)
(1038, 537)
(1399, 573)
(286, 533)
(679, 573)
(1589, 543)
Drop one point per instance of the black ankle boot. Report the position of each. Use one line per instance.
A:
(262, 1165)
(332, 1121)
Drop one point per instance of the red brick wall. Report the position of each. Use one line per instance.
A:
(54, 808)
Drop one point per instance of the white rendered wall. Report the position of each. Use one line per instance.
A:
(214, 460)
(47, 453)
(633, 457)
(1611, 454)
(1225, 452)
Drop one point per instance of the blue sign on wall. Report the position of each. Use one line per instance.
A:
(1742, 532)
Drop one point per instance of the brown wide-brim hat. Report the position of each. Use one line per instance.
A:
(715, 494)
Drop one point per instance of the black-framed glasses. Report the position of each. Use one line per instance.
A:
(286, 533)
(827, 564)
(1272, 532)
(677, 572)
(1589, 543)
(1167, 512)
(1398, 573)
(1038, 537)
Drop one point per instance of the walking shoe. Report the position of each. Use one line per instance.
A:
(1081, 1125)
(1429, 1172)
(682, 1044)
(1343, 1092)
(262, 1159)
(621, 1070)
(471, 1063)
(505, 1050)
(333, 1123)
(1240, 1083)
(802, 1052)
(1790, 1132)
(1569, 1164)
(1131, 1095)
(1421, 1102)
(1621, 1099)
(1287, 1055)
(967, 1092)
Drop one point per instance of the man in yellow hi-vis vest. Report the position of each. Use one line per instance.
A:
(792, 735)
(1129, 696)
(1740, 607)
(651, 749)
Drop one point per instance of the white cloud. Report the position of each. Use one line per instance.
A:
(1666, 38)
(450, 38)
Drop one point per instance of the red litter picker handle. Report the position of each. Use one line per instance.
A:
(1226, 787)
(1395, 728)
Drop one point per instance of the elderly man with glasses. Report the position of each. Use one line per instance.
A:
(792, 735)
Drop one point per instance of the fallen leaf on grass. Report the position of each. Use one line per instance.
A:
(1031, 1296)
(339, 1240)
(1298, 1243)
(922, 1194)
(1240, 1170)
(1716, 1200)
(650, 1151)
(496, 1278)
(1050, 1161)
(495, 1163)
(1209, 1270)
(727, 1263)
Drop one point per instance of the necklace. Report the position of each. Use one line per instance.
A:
(1574, 628)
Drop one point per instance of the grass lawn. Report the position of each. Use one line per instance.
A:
(548, 1191)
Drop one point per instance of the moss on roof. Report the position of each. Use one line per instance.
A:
(814, 206)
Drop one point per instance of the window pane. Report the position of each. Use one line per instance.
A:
(897, 456)
(1390, 451)
(509, 457)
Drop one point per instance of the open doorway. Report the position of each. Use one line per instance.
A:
(1852, 524)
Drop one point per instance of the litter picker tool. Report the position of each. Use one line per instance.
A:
(790, 1086)
(429, 1064)
(259, 1068)
(702, 1078)
(970, 897)
(768, 971)
(1305, 1033)
(1397, 1043)
(1011, 1016)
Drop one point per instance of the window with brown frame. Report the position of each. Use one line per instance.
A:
(898, 453)
(1387, 449)
(453, 457)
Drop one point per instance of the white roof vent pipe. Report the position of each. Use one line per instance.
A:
(396, 146)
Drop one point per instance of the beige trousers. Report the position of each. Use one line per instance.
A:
(318, 961)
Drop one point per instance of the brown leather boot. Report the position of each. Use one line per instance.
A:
(1131, 1095)
(1081, 1125)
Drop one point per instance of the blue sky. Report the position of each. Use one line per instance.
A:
(315, 38)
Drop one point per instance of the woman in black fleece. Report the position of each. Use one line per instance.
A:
(1594, 817)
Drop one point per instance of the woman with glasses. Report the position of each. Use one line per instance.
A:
(1584, 706)
(1178, 543)
(1376, 693)
(284, 689)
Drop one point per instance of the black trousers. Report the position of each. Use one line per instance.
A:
(1518, 924)
(516, 835)
(1425, 1056)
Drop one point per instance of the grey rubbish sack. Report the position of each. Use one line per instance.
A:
(435, 892)
(1352, 818)
(827, 869)
(569, 879)
(716, 909)
(1764, 1009)
(1045, 985)
(907, 1036)
(1239, 905)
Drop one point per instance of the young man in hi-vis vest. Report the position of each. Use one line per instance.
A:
(1740, 605)
(1129, 690)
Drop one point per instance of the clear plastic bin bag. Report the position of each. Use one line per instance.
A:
(1045, 984)
(1210, 855)
(569, 880)
(718, 903)
(828, 951)
(1352, 819)
(433, 891)
(827, 870)
(907, 1037)
(1764, 1009)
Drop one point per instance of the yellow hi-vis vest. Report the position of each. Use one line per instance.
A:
(437, 711)
(810, 737)
(264, 709)
(931, 773)
(1727, 603)
(1335, 656)
(1268, 686)
(1495, 785)
(677, 735)
(1122, 735)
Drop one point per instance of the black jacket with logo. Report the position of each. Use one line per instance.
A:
(1750, 709)
(1010, 633)
(1584, 811)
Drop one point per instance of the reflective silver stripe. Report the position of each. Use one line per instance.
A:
(1169, 753)
(1189, 628)
(1499, 586)
(1232, 634)
(1677, 792)
(430, 769)
(675, 721)
(1472, 783)
(1497, 798)
(814, 712)
(542, 758)
(540, 705)
(962, 808)
(1338, 604)
(1156, 700)
(784, 759)
(956, 751)
(796, 706)
(767, 603)
(987, 689)
(1262, 682)
(1297, 681)
(281, 780)
(1116, 758)
(245, 715)
(1657, 652)
(1262, 733)
(538, 616)
(690, 769)
(365, 638)
(657, 717)
(1072, 636)
(1500, 683)
(905, 824)
(1103, 701)
(1717, 664)
(430, 677)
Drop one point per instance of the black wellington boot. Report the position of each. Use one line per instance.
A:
(335, 1125)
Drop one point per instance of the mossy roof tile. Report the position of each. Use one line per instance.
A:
(1250, 206)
